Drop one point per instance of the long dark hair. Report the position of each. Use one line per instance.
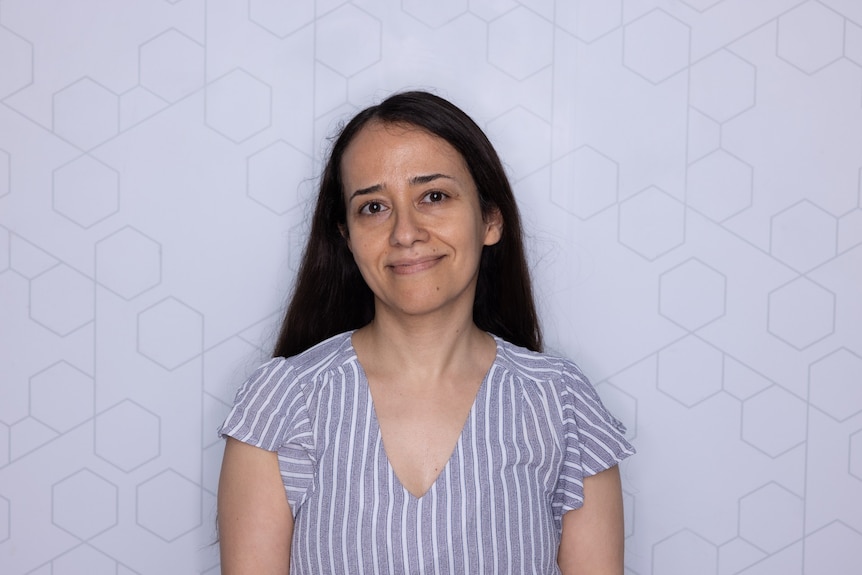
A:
(330, 296)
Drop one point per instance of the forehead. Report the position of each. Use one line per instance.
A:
(387, 147)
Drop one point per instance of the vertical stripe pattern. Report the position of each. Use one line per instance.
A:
(535, 430)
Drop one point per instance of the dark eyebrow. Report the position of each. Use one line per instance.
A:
(365, 191)
(415, 181)
(418, 180)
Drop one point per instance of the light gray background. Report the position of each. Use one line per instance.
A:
(689, 174)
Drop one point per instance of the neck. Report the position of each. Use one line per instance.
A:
(422, 349)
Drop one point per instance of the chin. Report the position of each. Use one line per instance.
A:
(414, 309)
(426, 303)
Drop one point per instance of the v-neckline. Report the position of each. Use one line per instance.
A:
(378, 433)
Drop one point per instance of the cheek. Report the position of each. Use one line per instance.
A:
(360, 250)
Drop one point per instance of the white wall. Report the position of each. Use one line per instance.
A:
(689, 173)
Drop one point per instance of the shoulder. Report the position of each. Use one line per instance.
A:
(281, 376)
(556, 378)
(328, 354)
(587, 428)
(271, 405)
(534, 365)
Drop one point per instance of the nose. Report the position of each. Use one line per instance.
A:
(407, 227)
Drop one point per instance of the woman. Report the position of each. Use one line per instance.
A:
(408, 422)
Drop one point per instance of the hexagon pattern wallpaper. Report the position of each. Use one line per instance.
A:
(689, 175)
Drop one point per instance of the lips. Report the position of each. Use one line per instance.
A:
(413, 265)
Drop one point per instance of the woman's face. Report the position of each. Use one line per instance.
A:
(414, 223)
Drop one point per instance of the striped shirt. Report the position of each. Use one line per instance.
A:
(535, 430)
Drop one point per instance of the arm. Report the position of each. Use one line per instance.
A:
(254, 519)
(592, 539)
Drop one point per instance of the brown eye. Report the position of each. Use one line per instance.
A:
(434, 197)
(371, 208)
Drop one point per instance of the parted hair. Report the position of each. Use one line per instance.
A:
(330, 296)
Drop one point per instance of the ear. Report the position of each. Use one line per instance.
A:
(342, 229)
(493, 227)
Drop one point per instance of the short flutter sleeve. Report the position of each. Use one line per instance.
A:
(270, 412)
(593, 440)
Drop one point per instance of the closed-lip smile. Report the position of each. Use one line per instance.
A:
(413, 265)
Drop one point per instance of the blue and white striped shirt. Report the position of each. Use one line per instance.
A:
(536, 429)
